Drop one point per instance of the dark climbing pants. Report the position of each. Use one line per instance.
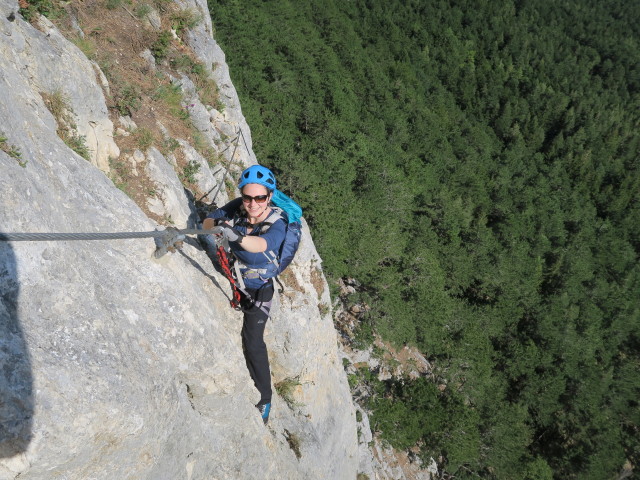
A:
(256, 314)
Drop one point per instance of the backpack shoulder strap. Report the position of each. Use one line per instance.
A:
(274, 216)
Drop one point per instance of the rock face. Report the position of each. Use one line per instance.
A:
(43, 59)
(114, 364)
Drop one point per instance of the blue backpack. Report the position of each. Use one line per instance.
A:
(290, 212)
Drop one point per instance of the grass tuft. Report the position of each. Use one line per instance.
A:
(58, 105)
(160, 48)
(324, 309)
(143, 138)
(142, 10)
(286, 388)
(207, 89)
(78, 143)
(171, 145)
(119, 175)
(29, 9)
(189, 171)
(171, 95)
(87, 46)
(113, 4)
(128, 99)
(12, 151)
(163, 5)
(185, 19)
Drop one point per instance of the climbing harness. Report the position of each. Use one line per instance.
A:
(231, 269)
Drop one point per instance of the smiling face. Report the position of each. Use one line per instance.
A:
(251, 205)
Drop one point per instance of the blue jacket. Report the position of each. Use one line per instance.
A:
(274, 237)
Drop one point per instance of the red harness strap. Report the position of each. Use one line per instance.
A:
(226, 268)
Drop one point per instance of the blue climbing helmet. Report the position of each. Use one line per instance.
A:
(260, 175)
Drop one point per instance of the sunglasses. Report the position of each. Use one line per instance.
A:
(257, 198)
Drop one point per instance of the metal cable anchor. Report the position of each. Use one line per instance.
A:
(171, 240)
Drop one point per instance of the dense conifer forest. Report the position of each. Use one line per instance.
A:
(474, 165)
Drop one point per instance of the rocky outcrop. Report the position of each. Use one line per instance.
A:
(43, 59)
(119, 365)
(376, 458)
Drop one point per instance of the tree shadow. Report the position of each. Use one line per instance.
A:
(16, 379)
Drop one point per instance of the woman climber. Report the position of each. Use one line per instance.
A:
(254, 232)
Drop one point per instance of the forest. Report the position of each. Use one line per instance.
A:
(474, 166)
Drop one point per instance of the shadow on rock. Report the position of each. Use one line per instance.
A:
(16, 380)
(201, 270)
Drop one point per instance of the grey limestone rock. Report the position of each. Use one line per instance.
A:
(153, 19)
(148, 57)
(207, 50)
(198, 112)
(114, 364)
(169, 200)
(127, 123)
(208, 181)
(45, 59)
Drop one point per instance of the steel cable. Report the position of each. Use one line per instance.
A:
(36, 237)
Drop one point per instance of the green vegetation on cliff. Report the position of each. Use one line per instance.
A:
(475, 166)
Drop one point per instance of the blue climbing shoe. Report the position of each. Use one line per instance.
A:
(264, 410)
